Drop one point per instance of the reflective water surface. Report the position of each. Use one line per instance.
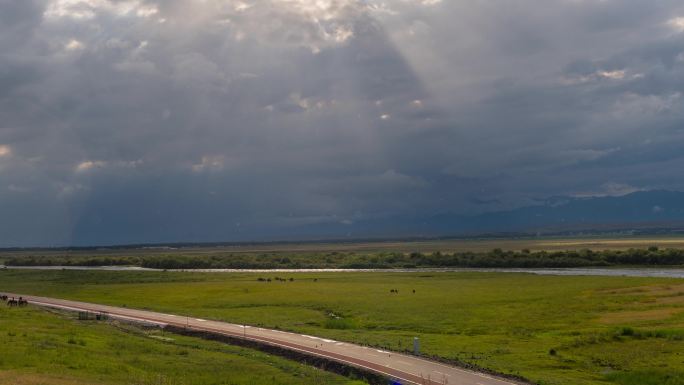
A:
(615, 272)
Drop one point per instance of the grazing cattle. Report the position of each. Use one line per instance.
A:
(22, 302)
(12, 302)
(3, 297)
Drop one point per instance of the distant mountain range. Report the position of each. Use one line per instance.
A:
(639, 210)
(643, 211)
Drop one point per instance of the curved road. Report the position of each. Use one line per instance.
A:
(402, 368)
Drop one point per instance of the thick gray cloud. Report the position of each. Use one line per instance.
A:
(145, 121)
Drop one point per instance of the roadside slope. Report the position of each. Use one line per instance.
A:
(406, 369)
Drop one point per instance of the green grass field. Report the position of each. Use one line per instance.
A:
(38, 347)
(424, 246)
(551, 330)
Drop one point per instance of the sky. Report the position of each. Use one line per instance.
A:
(131, 121)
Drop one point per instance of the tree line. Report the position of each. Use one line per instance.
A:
(496, 258)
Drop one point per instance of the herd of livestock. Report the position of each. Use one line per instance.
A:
(13, 301)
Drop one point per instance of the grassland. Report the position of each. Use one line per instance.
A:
(551, 330)
(423, 246)
(521, 253)
(385, 260)
(38, 347)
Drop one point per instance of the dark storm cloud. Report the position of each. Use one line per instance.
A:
(135, 121)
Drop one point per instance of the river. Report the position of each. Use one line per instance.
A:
(610, 272)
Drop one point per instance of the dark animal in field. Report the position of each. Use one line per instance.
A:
(22, 302)
(3, 297)
(12, 302)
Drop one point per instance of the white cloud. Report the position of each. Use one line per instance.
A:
(210, 163)
(316, 25)
(622, 74)
(300, 101)
(307, 104)
(88, 9)
(73, 45)
(241, 6)
(429, 2)
(615, 75)
(320, 10)
(5, 151)
(89, 165)
(342, 34)
(75, 9)
(677, 24)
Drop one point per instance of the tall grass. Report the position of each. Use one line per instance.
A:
(505, 322)
(41, 347)
(651, 377)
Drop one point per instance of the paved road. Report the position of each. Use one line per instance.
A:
(403, 368)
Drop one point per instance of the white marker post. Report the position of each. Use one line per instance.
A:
(416, 346)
